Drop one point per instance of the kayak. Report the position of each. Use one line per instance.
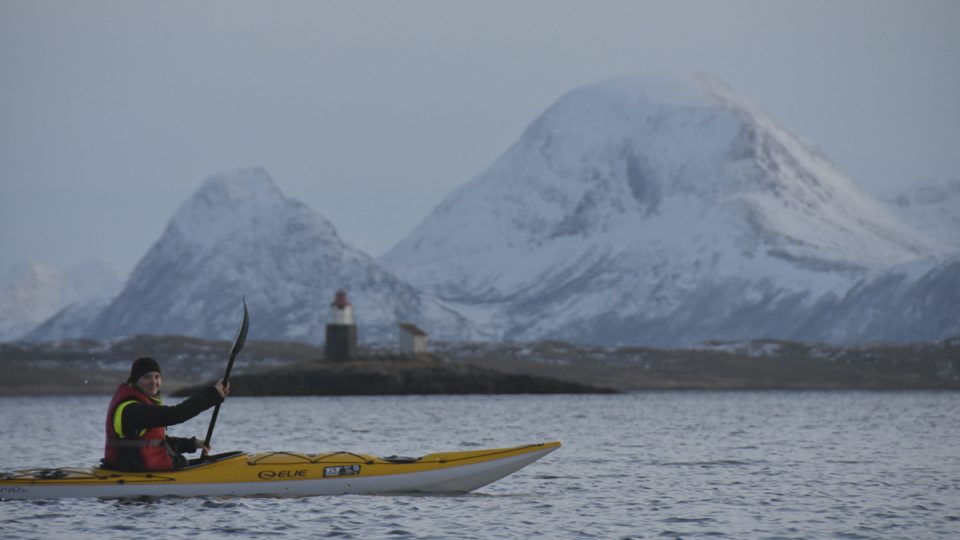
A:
(283, 474)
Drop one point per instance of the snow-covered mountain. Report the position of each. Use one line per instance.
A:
(641, 211)
(655, 211)
(33, 292)
(916, 301)
(239, 236)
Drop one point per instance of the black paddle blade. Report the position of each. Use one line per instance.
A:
(242, 334)
(238, 343)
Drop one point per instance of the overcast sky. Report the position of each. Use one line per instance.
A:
(113, 113)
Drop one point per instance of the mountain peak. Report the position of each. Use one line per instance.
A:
(239, 236)
(240, 185)
(245, 200)
(627, 157)
(638, 198)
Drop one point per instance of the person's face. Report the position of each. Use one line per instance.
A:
(150, 383)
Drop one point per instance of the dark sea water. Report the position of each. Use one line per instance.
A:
(648, 465)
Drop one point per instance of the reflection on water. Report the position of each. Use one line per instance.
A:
(660, 464)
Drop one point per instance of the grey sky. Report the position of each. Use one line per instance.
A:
(112, 113)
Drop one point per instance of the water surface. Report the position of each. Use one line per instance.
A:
(647, 465)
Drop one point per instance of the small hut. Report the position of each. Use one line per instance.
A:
(413, 340)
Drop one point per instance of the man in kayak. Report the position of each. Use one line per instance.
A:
(136, 422)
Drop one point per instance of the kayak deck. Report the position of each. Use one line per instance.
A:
(283, 473)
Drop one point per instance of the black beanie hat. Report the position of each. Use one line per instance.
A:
(142, 366)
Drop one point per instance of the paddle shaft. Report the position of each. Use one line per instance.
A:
(234, 351)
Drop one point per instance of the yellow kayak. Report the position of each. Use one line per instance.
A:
(283, 474)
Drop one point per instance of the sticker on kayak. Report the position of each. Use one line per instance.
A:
(341, 470)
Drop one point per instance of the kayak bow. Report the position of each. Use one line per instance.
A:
(283, 474)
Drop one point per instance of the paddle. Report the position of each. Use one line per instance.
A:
(237, 345)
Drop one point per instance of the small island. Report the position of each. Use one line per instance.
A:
(342, 371)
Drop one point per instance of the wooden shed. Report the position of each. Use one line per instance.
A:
(413, 340)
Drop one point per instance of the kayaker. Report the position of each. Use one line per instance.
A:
(136, 422)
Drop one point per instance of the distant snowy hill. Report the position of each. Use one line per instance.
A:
(933, 208)
(32, 293)
(71, 321)
(656, 212)
(239, 236)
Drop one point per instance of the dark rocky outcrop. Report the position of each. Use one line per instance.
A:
(394, 375)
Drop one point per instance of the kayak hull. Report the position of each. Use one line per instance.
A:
(284, 474)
